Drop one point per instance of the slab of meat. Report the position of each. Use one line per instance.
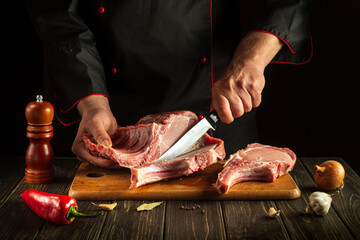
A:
(207, 152)
(255, 162)
(137, 147)
(145, 142)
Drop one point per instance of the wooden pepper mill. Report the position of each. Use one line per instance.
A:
(39, 157)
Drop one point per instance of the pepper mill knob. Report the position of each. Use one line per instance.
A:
(39, 156)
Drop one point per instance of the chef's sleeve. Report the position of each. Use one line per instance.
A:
(288, 20)
(72, 65)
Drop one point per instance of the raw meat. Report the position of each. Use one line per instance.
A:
(145, 142)
(137, 147)
(208, 151)
(255, 162)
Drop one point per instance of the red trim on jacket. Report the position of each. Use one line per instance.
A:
(211, 53)
(211, 44)
(65, 124)
(311, 55)
(65, 111)
(287, 44)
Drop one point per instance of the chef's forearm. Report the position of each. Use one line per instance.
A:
(257, 48)
(93, 102)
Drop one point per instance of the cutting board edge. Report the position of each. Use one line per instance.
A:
(81, 197)
(245, 195)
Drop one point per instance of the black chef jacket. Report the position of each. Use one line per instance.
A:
(158, 55)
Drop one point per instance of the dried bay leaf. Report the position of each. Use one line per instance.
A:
(148, 206)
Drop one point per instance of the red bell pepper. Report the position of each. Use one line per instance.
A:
(59, 209)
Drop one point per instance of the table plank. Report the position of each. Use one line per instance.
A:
(75, 230)
(125, 222)
(194, 220)
(80, 228)
(347, 203)
(249, 220)
(11, 172)
(29, 224)
(301, 225)
(240, 219)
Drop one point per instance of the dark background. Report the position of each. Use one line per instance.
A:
(312, 109)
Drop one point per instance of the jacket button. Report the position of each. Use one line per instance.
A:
(203, 60)
(113, 70)
(101, 10)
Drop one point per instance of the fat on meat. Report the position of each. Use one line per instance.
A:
(255, 162)
(209, 150)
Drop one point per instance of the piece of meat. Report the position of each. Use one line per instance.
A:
(208, 151)
(255, 162)
(145, 142)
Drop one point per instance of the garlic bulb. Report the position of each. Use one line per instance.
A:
(319, 202)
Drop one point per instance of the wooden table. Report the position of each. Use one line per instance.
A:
(212, 220)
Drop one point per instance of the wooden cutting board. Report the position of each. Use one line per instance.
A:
(94, 183)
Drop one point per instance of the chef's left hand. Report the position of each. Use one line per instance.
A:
(239, 88)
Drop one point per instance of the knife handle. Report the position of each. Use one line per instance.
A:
(213, 118)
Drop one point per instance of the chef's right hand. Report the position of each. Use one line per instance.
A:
(239, 88)
(97, 123)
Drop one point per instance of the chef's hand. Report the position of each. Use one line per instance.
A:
(97, 122)
(239, 88)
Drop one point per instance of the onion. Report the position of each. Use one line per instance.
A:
(329, 175)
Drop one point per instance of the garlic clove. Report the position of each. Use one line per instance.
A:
(308, 209)
(273, 212)
(106, 206)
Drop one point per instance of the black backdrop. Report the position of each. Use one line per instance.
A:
(312, 109)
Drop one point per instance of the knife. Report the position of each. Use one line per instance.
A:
(190, 137)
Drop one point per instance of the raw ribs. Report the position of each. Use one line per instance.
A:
(255, 162)
(208, 151)
(137, 147)
(145, 142)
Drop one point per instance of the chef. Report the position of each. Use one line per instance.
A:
(111, 62)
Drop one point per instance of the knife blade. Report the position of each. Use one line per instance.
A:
(190, 137)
